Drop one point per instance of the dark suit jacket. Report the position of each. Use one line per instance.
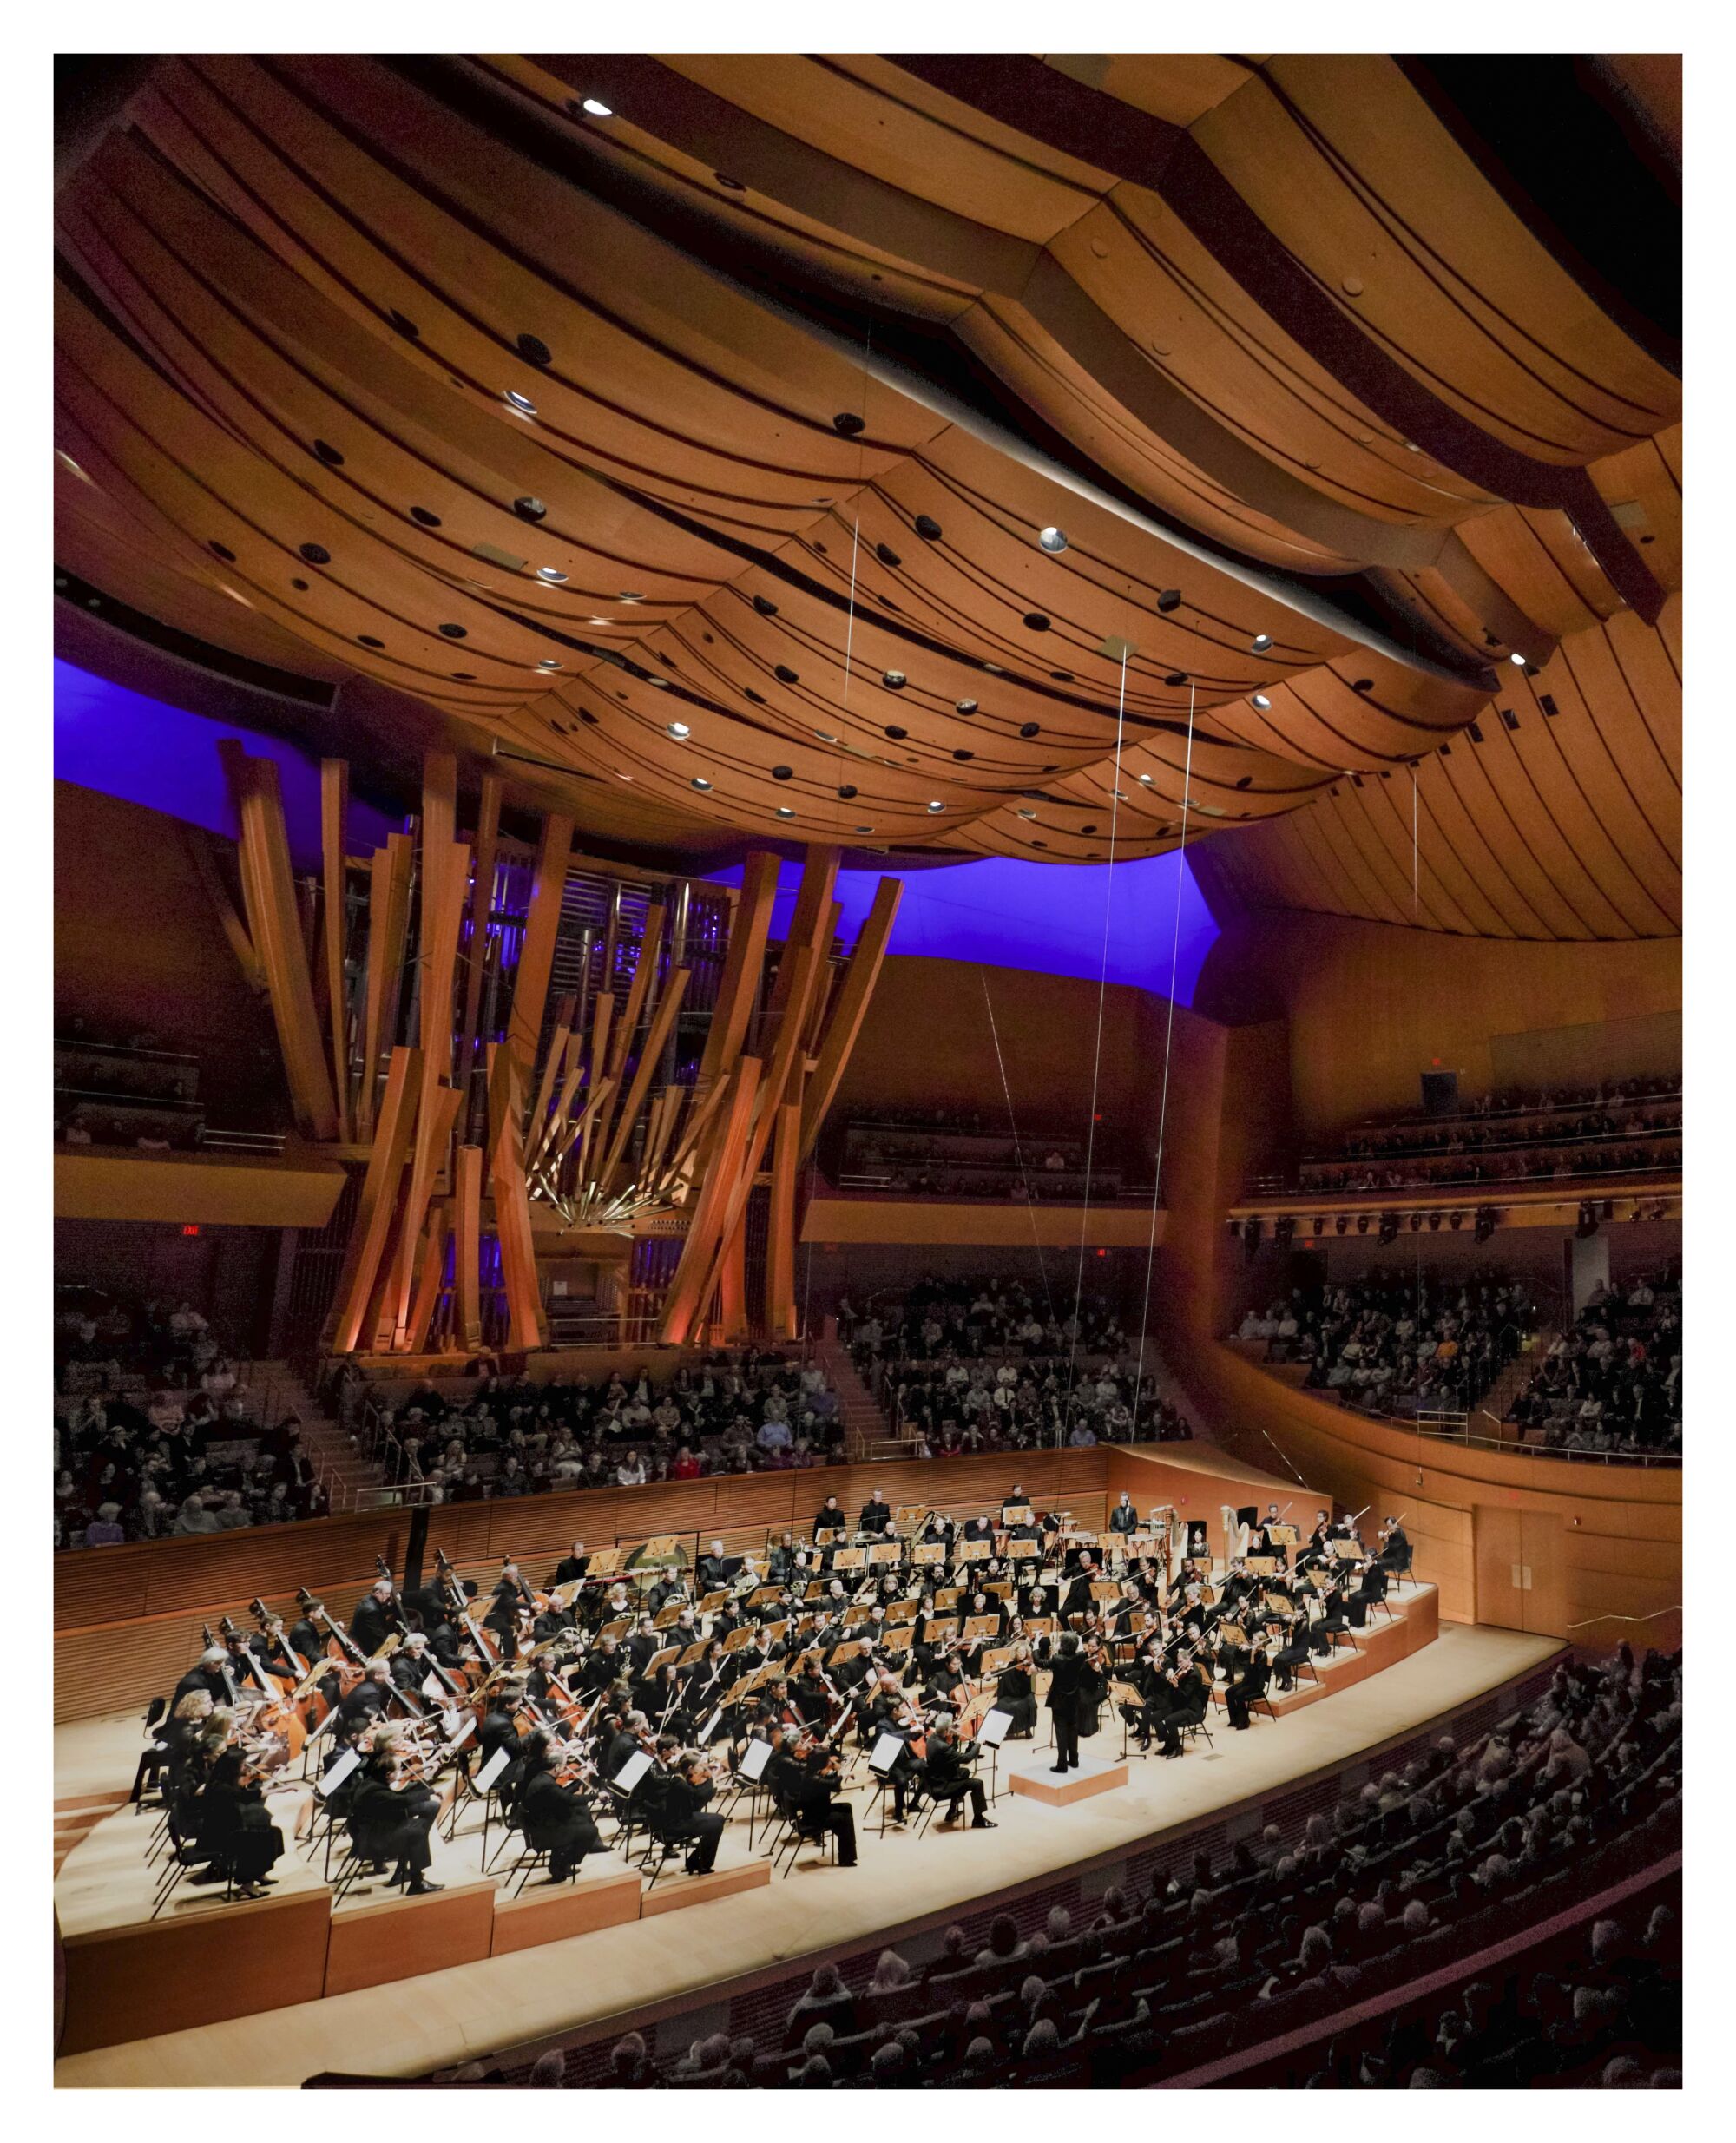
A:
(1064, 1687)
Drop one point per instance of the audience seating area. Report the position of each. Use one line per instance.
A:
(463, 1440)
(1419, 1871)
(1630, 1127)
(980, 1365)
(156, 1433)
(1612, 1385)
(952, 1154)
(1402, 1343)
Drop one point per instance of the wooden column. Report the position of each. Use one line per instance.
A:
(685, 1302)
(512, 1201)
(847, 1012)
(334, 796)
(742, 966)
(379, 1201)
(780, 1231)
(481, 903)
(536, 955)
(467, 1314)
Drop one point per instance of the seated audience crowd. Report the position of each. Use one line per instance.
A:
(953, 1153)
(154, 1434)
(1623, 1126)
(1399, 1343)
(978, 1365)
(498, 1436)
(1613, 1383)
(1416, 1870)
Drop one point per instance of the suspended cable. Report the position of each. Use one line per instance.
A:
(1097, 1053)
(1168, 1042)
(1018, 1150)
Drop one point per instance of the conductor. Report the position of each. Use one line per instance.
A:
(1064, 1687)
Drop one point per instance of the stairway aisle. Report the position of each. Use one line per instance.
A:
(867, 1433)
(281, 1390)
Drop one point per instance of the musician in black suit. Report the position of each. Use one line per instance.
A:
(829, 1518)
(571, 1569)
(212, 1676)
(1124, 1518)
(1247, 1688)
(1395, 1549)
(685, 1817)
(1065, 1678)
(806, 1787)
(715, 1569)
(554, 1817)
(1077, 1598)
(1014, 1695)
(875, 1515)
(375, 1616)
(946, 1776)
(391, 1823)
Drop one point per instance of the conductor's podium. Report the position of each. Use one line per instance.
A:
(1035, 1781)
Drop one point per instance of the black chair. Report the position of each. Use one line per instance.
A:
(154, 1755)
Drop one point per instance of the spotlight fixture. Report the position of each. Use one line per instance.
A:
(786, 811)
(1319, 1224)
(1052, 540)
(1260, 700)
(1434, 1219)
(936, 806)
(550, 573)
(1261, 642)
(522, 402)
(1456, 1219)
(1362, 1224)
(1170, 599)
(1517, 660)
(1343, 1223)
(1416, 1223)
(597, 109)
(679, 729)
(699, 782)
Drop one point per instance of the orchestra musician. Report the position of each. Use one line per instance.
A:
(684, 1816)
(212, 1676)
(875, 1517)
(378, 1615)
(1247, 1688)
(805, 1784)
(236, 1830)
(946, 1778)
(572, 1568)
(1124, 1518)
(554, 1817)
(1015, 1695)
(390, 1822)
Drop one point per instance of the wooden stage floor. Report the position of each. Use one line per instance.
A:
(409, 2026)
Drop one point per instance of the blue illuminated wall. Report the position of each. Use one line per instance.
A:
(148, 752)
(1048, 917)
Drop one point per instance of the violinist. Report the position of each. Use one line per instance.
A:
(1188, 1695)
(1293, 1648)
(390, 1822)
(805, 1785)
(685, 1819)
(1015, 1694)
(1317, 1550)
(553, 1816)
(236, 1830)
(811, 1696)
(1247, 1688)
(1395, 1548)
(368, 1699)
(377, 1614)
(629, 1738)
(946, 1776)
(891, 1712)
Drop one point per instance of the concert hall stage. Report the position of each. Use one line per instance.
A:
(524, 1976)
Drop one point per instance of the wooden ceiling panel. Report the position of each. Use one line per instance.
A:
(545, 433)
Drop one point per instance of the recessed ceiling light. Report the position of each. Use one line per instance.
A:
(1261, 642)
(1518, 660)
(787, 811)
(597, 109)
(522, 402)
(1146, 778)
(1023, 813)
(1053, 539)
(1260, 700)
(548, 663)
(550, 572)
(629, 598)
(699, 782)
(862, 829)
(965, 706)
(679, 729)
(936, 806)
(825, 736)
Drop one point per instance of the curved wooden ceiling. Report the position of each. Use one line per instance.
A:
(422, 379)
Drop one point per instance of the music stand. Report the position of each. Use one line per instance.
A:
(990, 1735)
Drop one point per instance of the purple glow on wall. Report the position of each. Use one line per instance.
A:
(147, 751)
(1048, 917)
